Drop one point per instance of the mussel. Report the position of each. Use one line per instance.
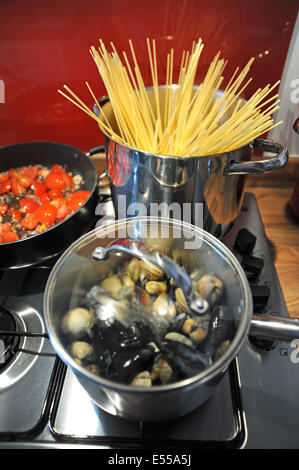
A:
(220, 330)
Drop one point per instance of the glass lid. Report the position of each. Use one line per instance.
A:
(147, 302)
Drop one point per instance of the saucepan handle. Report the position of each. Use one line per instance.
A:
(258, 167)
(274, 328)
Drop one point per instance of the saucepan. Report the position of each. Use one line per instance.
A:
(97, 330)
(209, 188)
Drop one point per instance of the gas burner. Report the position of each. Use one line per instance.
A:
(21, 349)
(9, 344)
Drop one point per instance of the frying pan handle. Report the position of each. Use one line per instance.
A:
(258, 167)
(94, 150)
(274, 328)
(166, 264)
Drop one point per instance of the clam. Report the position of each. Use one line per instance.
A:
(81, 350)
(112, 285)
(196, 328)
(174, 336)
(124, 292)
(198, 335)
(181, 302)
(77, 322)
(151, 272)
(142, 296)
(128, 281)
(161, 370)
(155, 287)
(177, 323)
(209, 287)
(164, 307)
(143, 379)
(132, 269)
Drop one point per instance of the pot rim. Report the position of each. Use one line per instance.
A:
(217, 367)
(171, 157)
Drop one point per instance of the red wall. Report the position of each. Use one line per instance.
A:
(44, 44)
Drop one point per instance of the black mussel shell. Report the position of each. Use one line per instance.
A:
(177, 322)
(183, 359)
(220, 329)
(127, 364)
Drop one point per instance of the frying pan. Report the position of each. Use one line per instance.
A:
(55, 240)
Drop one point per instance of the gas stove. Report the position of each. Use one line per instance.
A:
(42, 405)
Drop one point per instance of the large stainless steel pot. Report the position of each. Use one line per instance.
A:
(77, 271)
(206, 191)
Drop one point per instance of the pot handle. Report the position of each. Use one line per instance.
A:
(94, 150)
(197, 304)
(259, 167)
(274, 328)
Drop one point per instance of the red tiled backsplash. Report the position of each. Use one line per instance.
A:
(44, 44)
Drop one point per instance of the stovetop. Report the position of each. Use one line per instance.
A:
(42, 405)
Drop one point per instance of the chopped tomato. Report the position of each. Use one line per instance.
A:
(29, 205)
(55, 181)
(4, 177)
(9, 237)
(16, 187)
(25, 181)
(3, 208)
(38, 188)
(29, 171)
(5, 186)
(44, 197)
(68, 180)
(29, 222)
(5, 227)
(15, 214)
(13, 173)
(77, 199)
(55, 194)
(57, 169)
(46, 213)
(63, 208)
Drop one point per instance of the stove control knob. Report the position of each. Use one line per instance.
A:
(252, 266)
(245, 241)
(260, 297)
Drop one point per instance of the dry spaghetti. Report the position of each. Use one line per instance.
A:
(189, 121)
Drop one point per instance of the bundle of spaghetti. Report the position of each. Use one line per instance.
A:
(190, 120)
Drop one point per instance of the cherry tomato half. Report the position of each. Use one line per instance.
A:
(38, 188)
(5, 186)
(10, 237)
(29, 222)
(77, 199)
(55, 181)
(46, 213)
(15, 214)
(29, 205)
(55, 194)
